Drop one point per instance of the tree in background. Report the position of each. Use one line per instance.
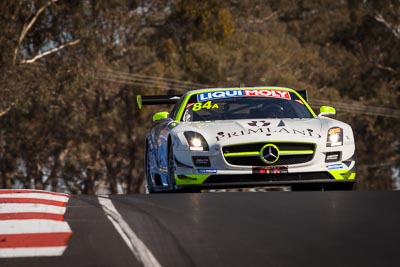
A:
(70, 71)
(62, 127)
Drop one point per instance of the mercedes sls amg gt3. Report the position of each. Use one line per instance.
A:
(246, 137)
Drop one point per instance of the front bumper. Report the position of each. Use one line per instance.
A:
(219, 173)
(254, 180)
(311, 184)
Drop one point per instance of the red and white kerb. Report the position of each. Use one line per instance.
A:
(32, 223)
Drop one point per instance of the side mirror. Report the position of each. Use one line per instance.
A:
(326, 110)
(160, 116)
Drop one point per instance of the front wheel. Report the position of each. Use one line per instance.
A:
(147, 166)
(171, 169)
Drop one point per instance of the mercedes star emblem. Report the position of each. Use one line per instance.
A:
(269, 153)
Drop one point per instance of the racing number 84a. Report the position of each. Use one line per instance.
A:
(207, 105)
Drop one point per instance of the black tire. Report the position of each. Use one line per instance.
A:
(171, 169)
(149, 182)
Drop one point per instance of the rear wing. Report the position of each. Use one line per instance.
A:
(303, 94)
(156, 100)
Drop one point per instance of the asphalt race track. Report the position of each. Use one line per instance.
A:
(359, 228)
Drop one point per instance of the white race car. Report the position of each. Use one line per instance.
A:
(246, 137)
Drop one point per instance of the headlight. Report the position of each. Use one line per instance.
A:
(335, 137)
(196, 141)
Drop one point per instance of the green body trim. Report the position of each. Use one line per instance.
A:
(327, 110)
(281, 152)
(296, 152)
(242, 154)
(343, 174)
(160, 115)
(191, 179)
(139, 101)
(306, 104)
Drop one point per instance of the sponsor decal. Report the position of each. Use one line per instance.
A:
(267, 131)
(259, 123)
(239, 93)
(334, 166)
(208, 105)
(207, 171)
(270, 170)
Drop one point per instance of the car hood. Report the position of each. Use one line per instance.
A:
(258, 130)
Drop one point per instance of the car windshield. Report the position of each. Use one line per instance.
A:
(207, 107)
